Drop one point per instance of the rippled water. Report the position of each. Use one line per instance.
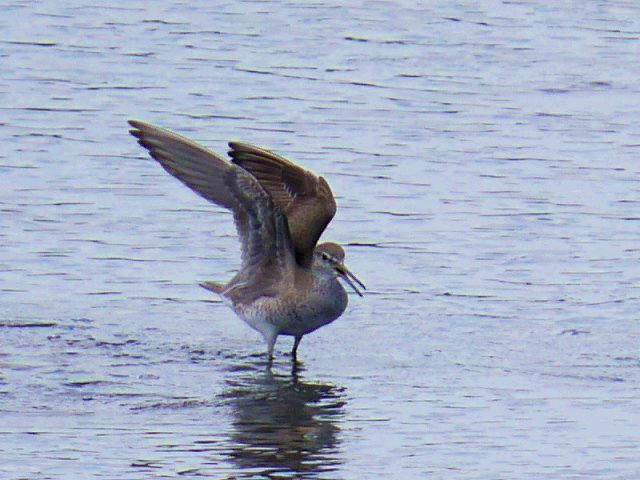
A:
(485, 161)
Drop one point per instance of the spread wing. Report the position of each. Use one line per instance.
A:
(262, 227)
(305, 198)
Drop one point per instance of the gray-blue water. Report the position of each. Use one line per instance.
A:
(485, 158)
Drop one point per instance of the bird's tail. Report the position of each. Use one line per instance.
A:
(215, 287)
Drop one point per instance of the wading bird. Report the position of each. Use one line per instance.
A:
(287, 283)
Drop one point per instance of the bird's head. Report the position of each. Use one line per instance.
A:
(330, 255)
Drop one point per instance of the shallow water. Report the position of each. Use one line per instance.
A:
(485, 162)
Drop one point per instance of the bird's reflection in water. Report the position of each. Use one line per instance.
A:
(283, 425)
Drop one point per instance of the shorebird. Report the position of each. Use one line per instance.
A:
(287, 283)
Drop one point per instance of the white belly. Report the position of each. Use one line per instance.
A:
(269, 314)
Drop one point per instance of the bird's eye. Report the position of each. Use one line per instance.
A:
(325, 256)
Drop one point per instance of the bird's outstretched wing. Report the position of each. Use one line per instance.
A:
(267, 248)
(305, 198)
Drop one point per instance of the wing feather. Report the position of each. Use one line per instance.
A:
(305, 198)
(267, 248)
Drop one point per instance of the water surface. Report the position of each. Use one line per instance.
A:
(485, 162)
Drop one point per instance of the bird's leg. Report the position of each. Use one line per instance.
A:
(294, 352)
(271, 341)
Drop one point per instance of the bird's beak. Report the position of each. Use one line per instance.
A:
(350, 278)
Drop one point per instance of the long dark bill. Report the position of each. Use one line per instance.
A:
(350, 278)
